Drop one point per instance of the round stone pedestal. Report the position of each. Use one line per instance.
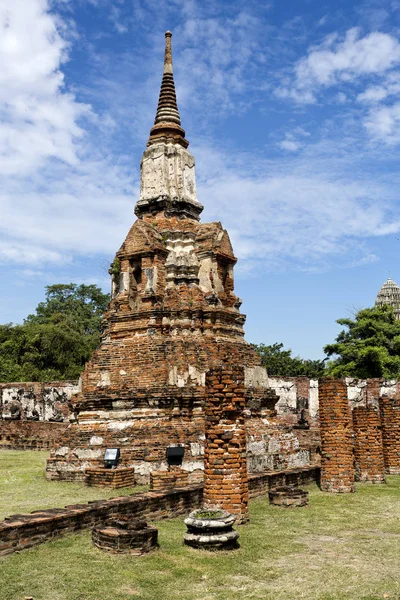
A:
(211, 530)
(288, 497)
(124, 535)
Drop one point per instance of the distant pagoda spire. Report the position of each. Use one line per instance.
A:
(167, 124)
(389, 294)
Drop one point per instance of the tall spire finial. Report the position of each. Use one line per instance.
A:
(167, 123)
(168, 53)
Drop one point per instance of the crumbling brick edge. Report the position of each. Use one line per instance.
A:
(20, 532)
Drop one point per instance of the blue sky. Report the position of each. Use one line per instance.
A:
(292, 110)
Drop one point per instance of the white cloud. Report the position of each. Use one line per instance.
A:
(305, 211)
(336, 61)
(39, 119)
(290, 145)
(383, 123)
(389, 86)
(24, 253)
(299, 210)
(58, 193)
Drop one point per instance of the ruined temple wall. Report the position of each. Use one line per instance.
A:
(273, 444)
(34, 415)
(295, 393)
(143, 442)
(298, 392)
(34, 401)
(145, 424)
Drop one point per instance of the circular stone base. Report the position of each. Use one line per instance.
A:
(123, 535)
(211, 530)
(288, 497)
(220, 541)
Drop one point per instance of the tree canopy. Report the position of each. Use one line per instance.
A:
(279, 361)
(368, 347)
(58, 339)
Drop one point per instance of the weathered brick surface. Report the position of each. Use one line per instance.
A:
(225, 465)
(142, 440)
(368, 446)
(113, 478)
(337, 468)
(390, 418)
(19, 532)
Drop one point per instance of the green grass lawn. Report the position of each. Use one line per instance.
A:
(23, 486)
(339, 547)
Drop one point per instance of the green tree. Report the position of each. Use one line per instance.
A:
(280, 362)
(56, 341)
(368, 347)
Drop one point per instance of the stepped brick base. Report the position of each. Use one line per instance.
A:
(165, 480)
(113, 478)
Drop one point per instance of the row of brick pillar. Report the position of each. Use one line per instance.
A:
(360, 444)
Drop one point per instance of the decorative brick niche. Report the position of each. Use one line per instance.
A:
(113, 478)
(166, 480)
(124, 535)
(225, 465)
(337, 468)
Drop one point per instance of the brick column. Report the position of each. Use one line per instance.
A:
(368, 447)
(225, 464)
(390, 418)
(337, 469)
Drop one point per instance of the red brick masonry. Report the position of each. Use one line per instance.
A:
(368, 447)
(30, 435)
(390, 416)
(337, 468)
(225, 464)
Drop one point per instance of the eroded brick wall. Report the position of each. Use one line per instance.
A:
(34, 401)
(368, 447)
(390, 417)
(337, 468)
(142, 439)
(225, 466)
(30, 435)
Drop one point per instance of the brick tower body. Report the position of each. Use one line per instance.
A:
(172, 316)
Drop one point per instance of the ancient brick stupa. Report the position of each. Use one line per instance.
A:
(172, 315)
